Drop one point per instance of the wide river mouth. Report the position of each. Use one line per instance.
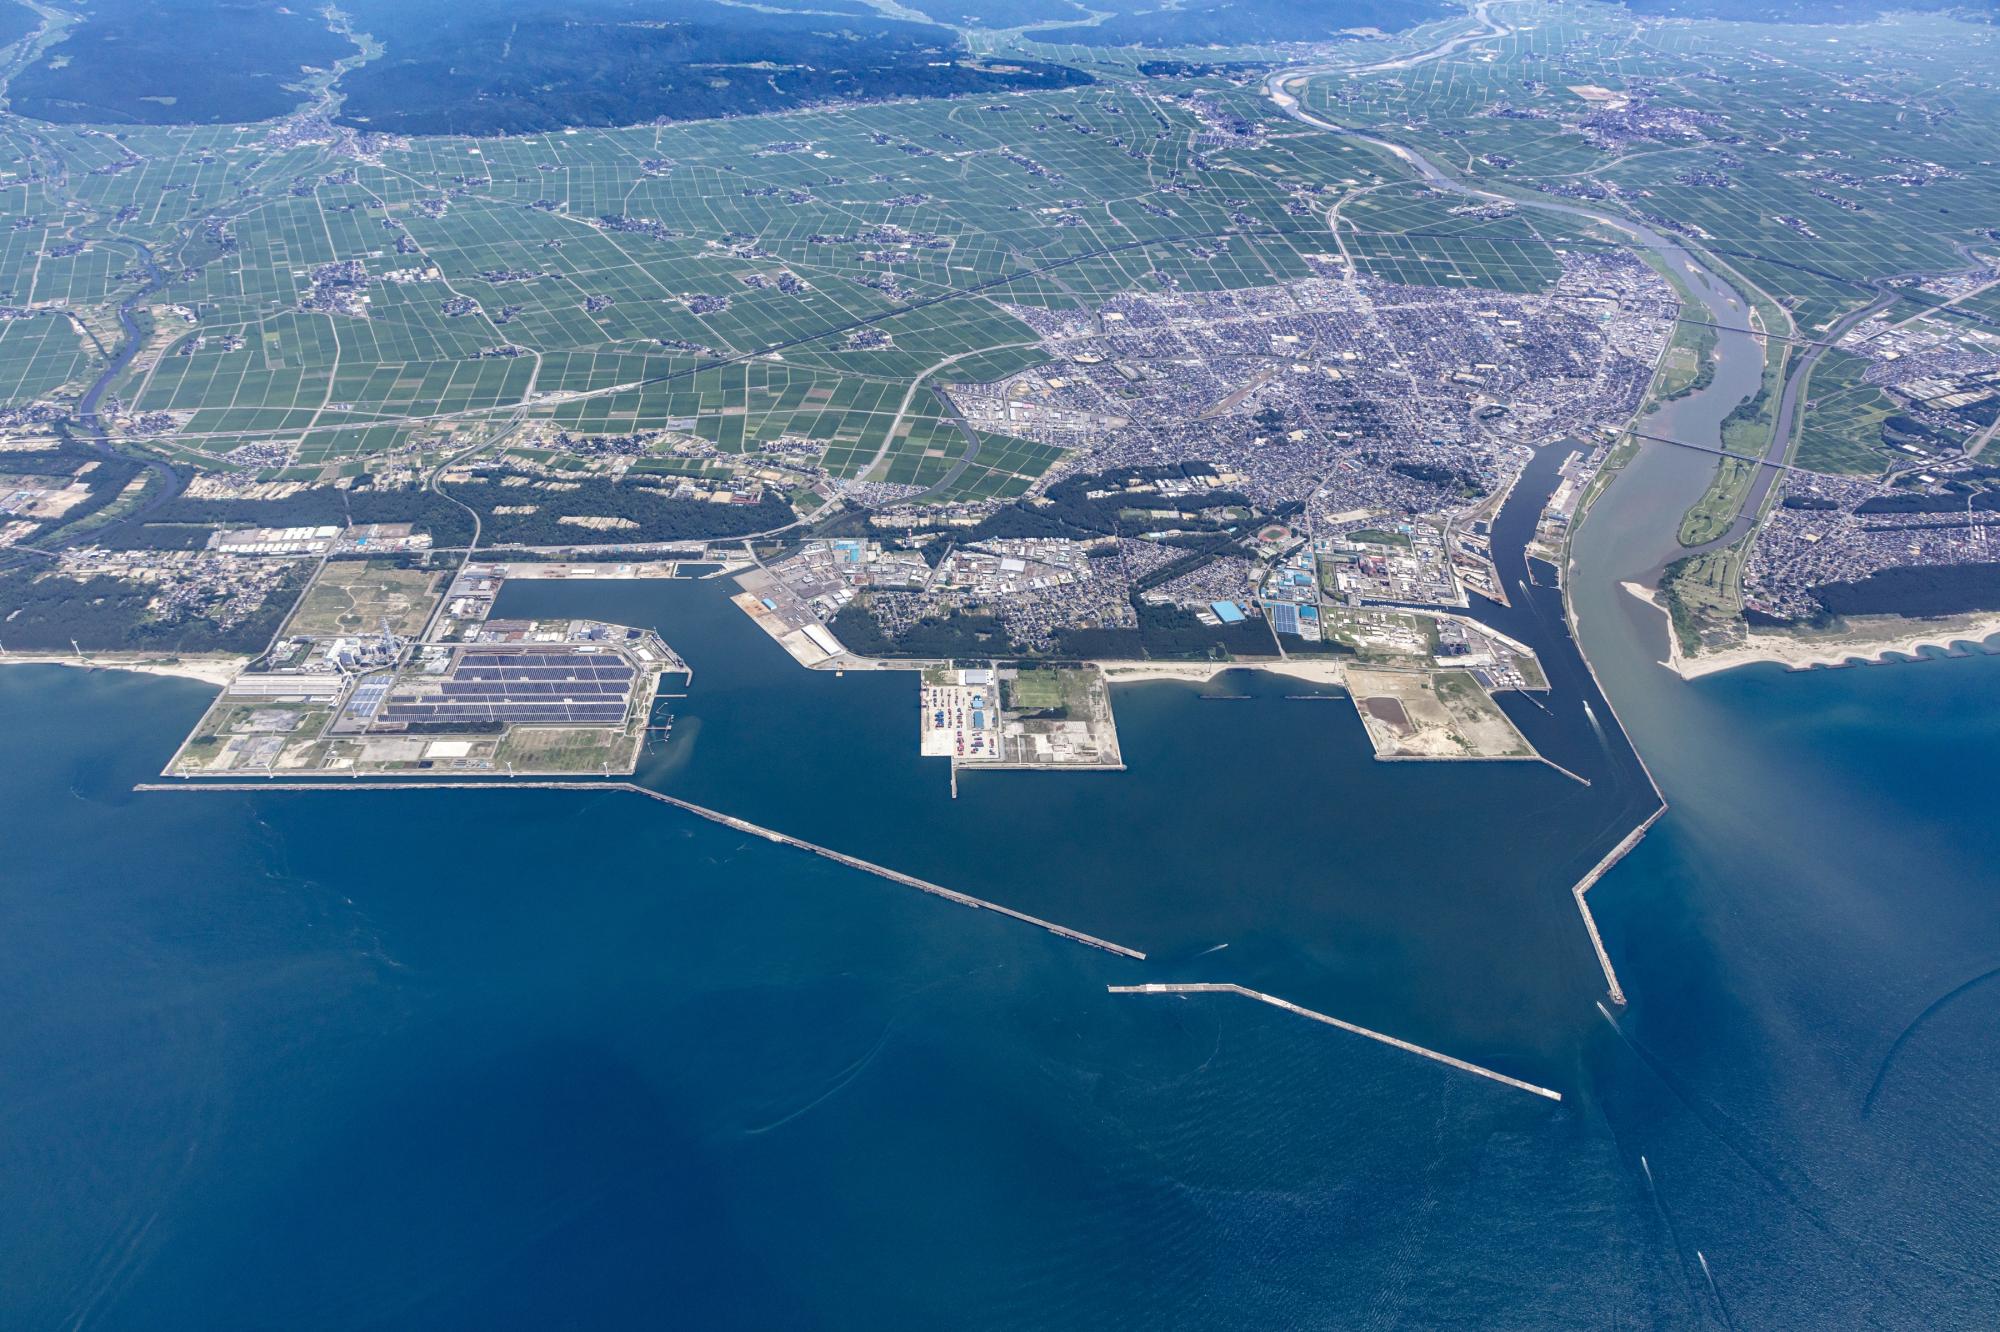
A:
(1253, 839)
(534, 1058)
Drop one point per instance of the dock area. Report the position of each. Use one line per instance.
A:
(1211, 987)
(789, 621)
(385, 666)
(1008, 716)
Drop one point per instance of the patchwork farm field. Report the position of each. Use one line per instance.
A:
(329, 306)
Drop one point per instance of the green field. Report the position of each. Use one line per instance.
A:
(562, 749)
(1842, 428)
(1409, 234)
(1062, 691)
(1703, 597)
(755, 283)
(1815, 165)
(361, 596)
(40, 355)
(800, 283)
(1718, 506)
(1690, 362)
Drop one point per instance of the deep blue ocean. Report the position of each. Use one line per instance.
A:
(520, 1059)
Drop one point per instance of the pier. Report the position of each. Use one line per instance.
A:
(1211, 987)
(701, 811)
(1575, 777)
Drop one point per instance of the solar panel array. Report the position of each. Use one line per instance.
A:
(367, 697)
(521, 686)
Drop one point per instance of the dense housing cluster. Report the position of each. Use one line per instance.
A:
(1350, 392)
(1828, 545)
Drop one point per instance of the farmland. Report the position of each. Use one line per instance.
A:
(710, 280)
(723, 328)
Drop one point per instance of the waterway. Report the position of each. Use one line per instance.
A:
(531, 1059)
(525, 1059)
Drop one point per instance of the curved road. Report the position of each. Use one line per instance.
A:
(1775, 461)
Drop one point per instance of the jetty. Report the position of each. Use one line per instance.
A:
(1589, 881)
(701, 811)
(1212, 987)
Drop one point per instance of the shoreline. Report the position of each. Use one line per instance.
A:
(210, 670)
(1201, 672)
(1870, 641)
(1327, 672)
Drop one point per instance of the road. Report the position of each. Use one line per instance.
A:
(1775, 459)
(909, 398)
(1640, 531)
(1735, 338)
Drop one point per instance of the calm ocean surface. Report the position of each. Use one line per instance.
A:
(553, 1059)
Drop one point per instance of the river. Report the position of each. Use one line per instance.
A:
(1809, 936)
(530, 1059)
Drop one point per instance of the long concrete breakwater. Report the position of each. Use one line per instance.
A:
(1214, 987)
(1707, 287)
(702, 811)
(1589, 881)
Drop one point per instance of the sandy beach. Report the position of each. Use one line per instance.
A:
(214, 670)
(1868, 640)
(1327, 672)
(1200, 672)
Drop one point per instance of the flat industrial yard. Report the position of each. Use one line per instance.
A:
(351, 689)
(1433, 715)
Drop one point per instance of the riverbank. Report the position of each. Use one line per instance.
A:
(213, 670)
(1869, 641)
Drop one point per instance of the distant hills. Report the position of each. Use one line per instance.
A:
(517, 66)
(543, 64)
(1802, 11)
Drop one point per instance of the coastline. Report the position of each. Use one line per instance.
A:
(1869, 641)
(210, 670)
(1327, 672)
(1201, 672)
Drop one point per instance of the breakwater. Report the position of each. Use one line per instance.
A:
(1212, 987)
(700, 811)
